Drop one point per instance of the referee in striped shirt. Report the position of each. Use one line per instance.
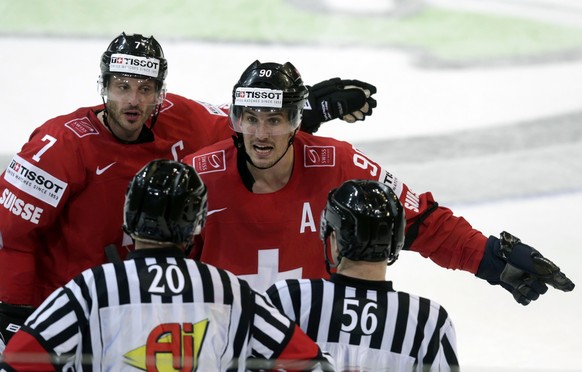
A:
(357, 316)
(159, 310)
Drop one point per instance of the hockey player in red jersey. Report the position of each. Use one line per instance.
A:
(158, 310)
(62, 194)
(267, 188)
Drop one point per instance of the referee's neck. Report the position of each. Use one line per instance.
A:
(362, 269)
(140, 244)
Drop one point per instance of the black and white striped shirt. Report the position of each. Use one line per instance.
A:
(158, 308)
(367, 326)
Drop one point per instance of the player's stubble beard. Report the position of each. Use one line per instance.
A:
(124, 127)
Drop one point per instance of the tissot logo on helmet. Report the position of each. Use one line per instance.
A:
(134, 55)
(134, 65)
(258, 97)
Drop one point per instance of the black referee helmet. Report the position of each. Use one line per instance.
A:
(368, 219)
(165, 202)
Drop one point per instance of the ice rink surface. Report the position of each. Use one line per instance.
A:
(500, 146)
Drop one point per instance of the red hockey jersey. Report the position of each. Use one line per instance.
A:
(264, 238)
(62, 195)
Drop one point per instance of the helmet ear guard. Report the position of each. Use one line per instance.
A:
(325, 231)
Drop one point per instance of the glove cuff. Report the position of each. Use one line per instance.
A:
(492, 264)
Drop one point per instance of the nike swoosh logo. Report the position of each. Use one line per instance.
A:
(215, 211)
(100, 171)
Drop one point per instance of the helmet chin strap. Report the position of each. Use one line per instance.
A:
(106, 122)
(328, 263)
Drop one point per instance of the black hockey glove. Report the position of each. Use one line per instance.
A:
(12, 317)
(520, 269)
(349, 100)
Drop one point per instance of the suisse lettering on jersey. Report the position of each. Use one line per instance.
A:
(20, 208)
(211, 162)
(319, 156)
(35, 181)
(82, 127)
(412, 202)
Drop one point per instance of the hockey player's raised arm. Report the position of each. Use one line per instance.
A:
(451, 242)
(348, 100)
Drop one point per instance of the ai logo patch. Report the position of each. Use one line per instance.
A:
(170, 347)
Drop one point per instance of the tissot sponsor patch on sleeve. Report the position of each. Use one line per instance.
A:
(34, 181)
(258, 97)
(82, 127)
(211, 162)
(393, 182)
(319, 156)
(129, 64)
